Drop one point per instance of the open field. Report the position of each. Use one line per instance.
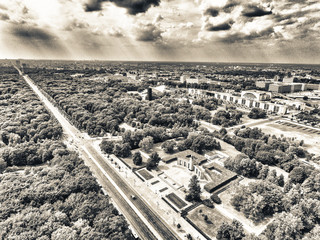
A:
(310, 137)
(215, 219)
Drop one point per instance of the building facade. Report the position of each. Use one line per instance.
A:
(243, 101)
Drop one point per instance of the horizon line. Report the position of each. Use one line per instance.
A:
(155, 61)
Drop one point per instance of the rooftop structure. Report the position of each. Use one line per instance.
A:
(206, 169)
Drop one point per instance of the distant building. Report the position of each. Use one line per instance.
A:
(276, 78)
(280, 88)
(288, 79)
(249, 99)
(133, 75)
(256, 95)
(189, 79)
(263, 84)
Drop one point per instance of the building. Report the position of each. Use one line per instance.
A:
(280, 88)
(263, 85)
(189, 79)
(248, 100)
(190, 160)
(288, 79)
(256, 95)
(206, 169)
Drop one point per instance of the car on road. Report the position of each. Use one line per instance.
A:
(133, 197)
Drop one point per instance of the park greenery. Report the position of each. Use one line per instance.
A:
(266, 149)
(100, 107)
(257, 113)
(312, 117)
(46, 191)
(227, 118)
(53, 188)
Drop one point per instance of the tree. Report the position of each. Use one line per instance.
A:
(298, 175)
(137, 159)
(194, 189)
(280, 180)
(233, 231)
(146, 143)
(168, 146)
(263, 173)
(107, 146)
(153, 161)
(284, 226)
(223, 131)
(122, 150)
(3, 165)
(257, 113)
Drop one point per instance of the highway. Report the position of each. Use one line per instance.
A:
(146, 222)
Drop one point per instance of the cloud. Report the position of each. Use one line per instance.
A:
(37, 40)
(213, 12)
(29, 33)
(75, 24)
(115, 32)
(25, 10)
(92, 5)
(254, 11)
(219, 27)
(157, 18)
(148, 33)
(133, 6)
(3, 7)
(4, 16)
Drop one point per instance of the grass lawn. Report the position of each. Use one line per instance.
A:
(145, 174)
(176, 200)
(129, 160)
(310, 137)
(215, 219)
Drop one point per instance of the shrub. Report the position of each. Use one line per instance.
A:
(208, 203)
(215, 198)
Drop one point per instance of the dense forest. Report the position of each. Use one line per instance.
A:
(100, 107)
(46, 191)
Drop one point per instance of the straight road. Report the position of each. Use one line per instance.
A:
(144, 220)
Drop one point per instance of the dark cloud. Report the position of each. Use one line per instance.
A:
(29, 33)
(4, 17)
(148, 33)
(92, 5)
(254, 11)
(247, 38)
(37, 40)
(133, 6)
(219, 27)
(230, 6)
(212, 12)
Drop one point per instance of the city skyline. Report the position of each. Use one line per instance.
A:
(152, 30)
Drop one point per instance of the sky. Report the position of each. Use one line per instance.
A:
(284, 31)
